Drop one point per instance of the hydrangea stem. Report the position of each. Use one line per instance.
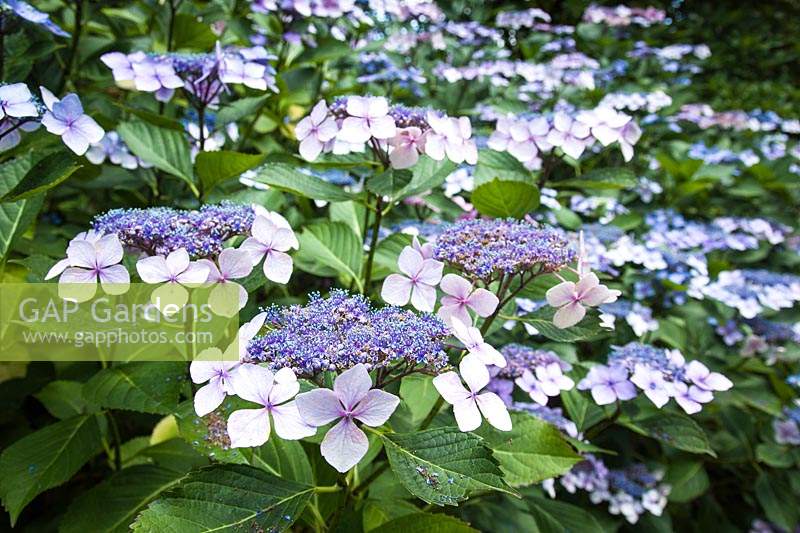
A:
(373, 244)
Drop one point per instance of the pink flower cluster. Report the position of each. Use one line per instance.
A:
(396, 133)
(573, 133)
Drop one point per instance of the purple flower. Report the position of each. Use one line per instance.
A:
(470, 404)
(651, 381)
(92, 261)
(218, 374)
(690, 398)
(314, 131)
(368, 117)
(461, 296)
(251, 427)
(701, 376)
(570, 299)
(16, 101)
(66, 119)
(786, 432)
(351, 399)
(233, 264)
(571, 135)
(270, 242)
(608, 384)
(418, 284)
(478, 349)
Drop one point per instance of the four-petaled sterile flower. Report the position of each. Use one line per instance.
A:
(571, 135)
(419, 283)
(571, 298)
(450, 137)
(406, 147)
(651, 381)
(251, 427)
(270, 243)
(427, 250)
(90, 261)
(174, 268)
(314, 131)
(173, 271)
(233, 264)
(608, 384)
(16, 101)
(470, 404)
(369, 117)
(218, 374)
(528, 137)
(690, 398)
(352, 398)
(461, 296)
(528, 383)
(700, 375)
(66, 119)
(478, 349)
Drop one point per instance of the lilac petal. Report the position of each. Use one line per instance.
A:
(78, 275)
(625, 390)
(109, 251)
(278, 267)
(457, 311)
(115, 279)
(352, 385)
(376, 407)
(483, 302)
(410, 262)
(82, 254)
(202, 371)
(561, 294)
(450, 387)
(604, 395)
(208, 398)
(396, 290)
(455, 285)
(89, 129)
(474, 373)
(423, 297)
(382, 128)
(153, 269)
(310, 148)
(569, 315)
(344, 445)
(248, 427)
(289, 424)
(195, 273)
(253, 383)
(596, 296)
(467, 415)
(57, 269)
(235, 264)
(431, 271)
(319, 406)
(494, 410)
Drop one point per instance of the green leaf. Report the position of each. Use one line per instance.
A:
(443, 465)
(351, 213)
(419, 395)
(166, 149)
(501, 166)
(583, 412)
(777, 500)
(227, 498)
(239, 109)
(501, 198)
(389, 182)
(287, 178)
(379, 511)
(676, 430)
(192, 34)
(45, 174)
(63, 399)
(215, 167)
(774, 455)
(147, 387)
(532, 451)
(553, 516)
(427, 174)
(285, 459)
(542, 320)
(111, 506)
(687, 479)
(332, 245)
(17, 216)
(425, 523)
(603, 178)
(326, 50)
(45, 459)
